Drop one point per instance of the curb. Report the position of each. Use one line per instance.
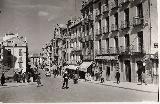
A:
(120, 87)
(8, 86)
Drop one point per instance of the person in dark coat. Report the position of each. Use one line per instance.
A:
(2, 79)
(65, 81)
(118, 76)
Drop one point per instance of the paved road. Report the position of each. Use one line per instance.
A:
(82, 92)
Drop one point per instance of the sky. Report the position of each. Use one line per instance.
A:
(36, 19)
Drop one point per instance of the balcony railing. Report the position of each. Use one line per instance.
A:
(119, 50)
(124, 24)
(114, 27)
(137, 21)
(114, 4)
(122, 2)
(105, 9)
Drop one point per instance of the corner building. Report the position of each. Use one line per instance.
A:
(126, 38)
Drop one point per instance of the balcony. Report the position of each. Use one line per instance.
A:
(123, 2)
(114, 4)
(124, 24)
(114, 27)
(105, 9)
(137, 21)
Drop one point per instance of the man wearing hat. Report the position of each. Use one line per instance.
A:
(65, 81)
(118, 76)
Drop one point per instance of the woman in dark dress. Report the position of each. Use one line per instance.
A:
(2, 79)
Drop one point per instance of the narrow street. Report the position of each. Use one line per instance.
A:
(81, 92)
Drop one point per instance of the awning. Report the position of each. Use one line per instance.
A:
(73, 67)
(84, 66)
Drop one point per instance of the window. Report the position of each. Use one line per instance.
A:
(107, 44)
(100, 47)
(99, 22)
(140, 10)
(127, 44)
(116, 43)
(126, 13)
(99, 7)
(9, 51)
(140, 41)
(116, 20)
(20, 65)
(107, 24)
(20, 52)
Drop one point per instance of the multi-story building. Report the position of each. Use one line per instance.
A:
(87, 36)
(15, 53)
(75, 42)
(126, 38)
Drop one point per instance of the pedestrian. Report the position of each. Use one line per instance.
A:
(2, 79)
(65, 80)
(118, 76)
(75, 78)
(39, 80)
(24, 77)
(143, 78)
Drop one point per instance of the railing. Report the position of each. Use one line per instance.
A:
(114, 27)
(122, 2)
(105, 8)
(114, 4)
(137, 21)
(124, 24)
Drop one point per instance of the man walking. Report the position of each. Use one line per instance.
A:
(118, 76)
(65, 80)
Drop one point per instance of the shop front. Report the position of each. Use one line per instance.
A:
(107, 66)
(86, 67)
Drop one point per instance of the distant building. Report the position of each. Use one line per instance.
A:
(15, 53)
(35, 59)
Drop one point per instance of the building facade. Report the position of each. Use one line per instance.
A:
(15, 53)
(124, 38)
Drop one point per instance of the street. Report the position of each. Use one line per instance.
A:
(82, 92)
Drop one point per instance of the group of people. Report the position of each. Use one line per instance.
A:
(88, 77)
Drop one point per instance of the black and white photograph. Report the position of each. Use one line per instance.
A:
(78, 51)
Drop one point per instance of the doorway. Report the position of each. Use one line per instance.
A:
(128, 70)
(108, 73)
(139, 70)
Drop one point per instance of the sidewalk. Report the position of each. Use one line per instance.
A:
(8, 85)
(151, 88)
